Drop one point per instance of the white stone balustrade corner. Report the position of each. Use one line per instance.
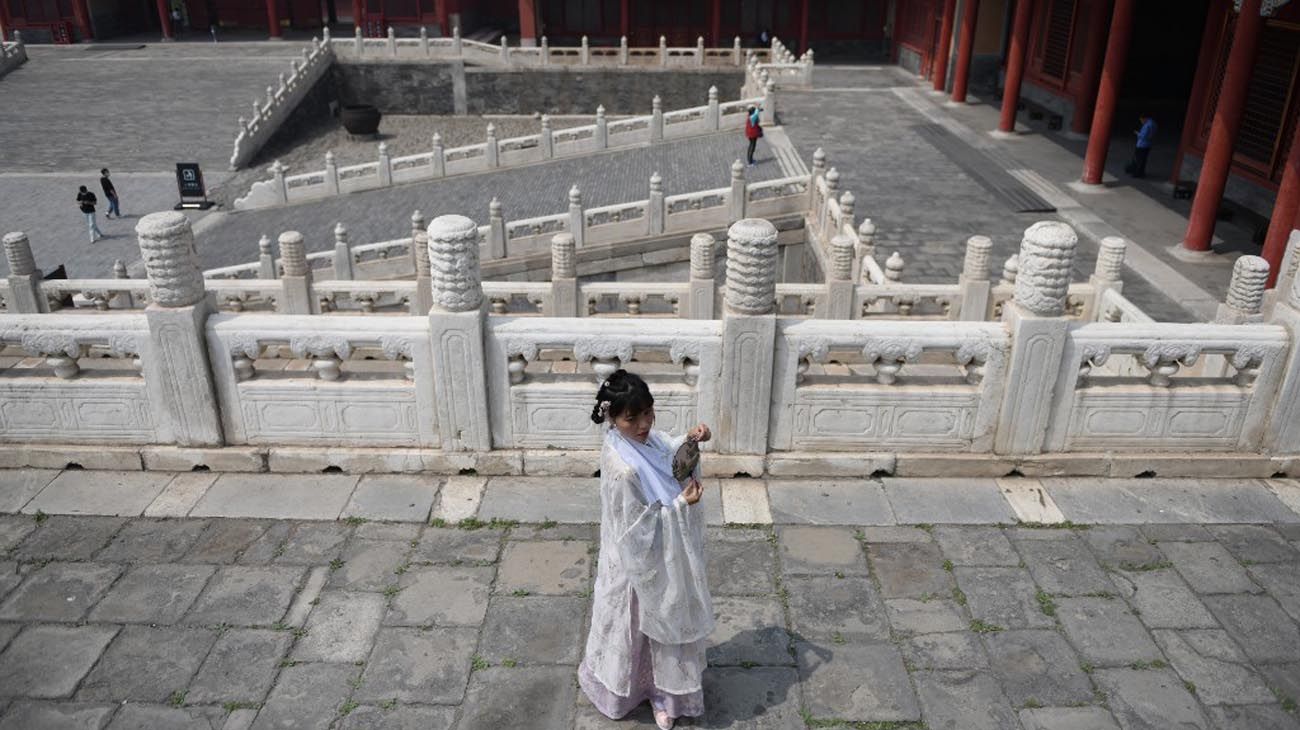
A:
(456, 322)
(24, 295)
(254, 132)
(749, 329)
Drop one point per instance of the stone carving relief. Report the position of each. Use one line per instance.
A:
(167, 247)
(887, 355)
(454, 264)
(1044, 264)
(751, 266)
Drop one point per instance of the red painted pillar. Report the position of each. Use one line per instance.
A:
(440, 7)
(1112, 77)
(5, 22)
(273, 17)
(1093, 56)
(1015, 65)
(803, 26)
(165, 19)
(625, 18)
(1201, 84)
(945, 45)
(715, 24)
(1227, 121)
(965, 47)
(82, 14)
(527, 23)
(1285, 209)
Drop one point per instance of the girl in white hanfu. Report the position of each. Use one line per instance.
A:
(652, 613)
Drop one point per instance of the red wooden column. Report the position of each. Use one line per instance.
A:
(1015, 65)
(5, 21)
(82, 14)
(527, 23)
(965, 47)
(165, 19)
(1201, 84)
(715, 24)
(1227, 121)
(273, 18)
(1093, 56)
(945, 45)
(1285, 209)
(625, 17)
(439, 7)
(803, 26)
(1112, 76)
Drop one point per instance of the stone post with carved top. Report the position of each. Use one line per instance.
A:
(456, 324)
(974, 279)
(177, 372)
(1245, 299)
(748, 335)
(25, 295)
(1107, 276)
(564, 277)
(703, 289)
(839, 280)
(295, 277)
(1038, 321)
(1283, 432)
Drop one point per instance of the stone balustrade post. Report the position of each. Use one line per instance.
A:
(622, 51)
(656, 120)
(25, 296)
(265, 259)
(564, 278)
(712, 117)
(418, 226)
(491, 152)
(663, 51)
(505, 50)
(281, 188)
(545, 140)
(455, 42)
(125, 300)
(832, 187)
(1286, 273)
(735, 51)
(739, 191)
(1107, 275)
(496, 230)
(331, 174)
(422, 301)
(1036, 318)
(577, 217)
(819, 164)
(546, 52)
(358, 42)
(342, 254)
(178, 375)
(392, 42)
(894, 268)
(655, 209)
(769, 104)
(866, 248)
(602, 128)
(456, 324)
(839, 280)
(385, 166)
(1283, 433)
(424, 41)
(847, 202)
(438, 158)
(295, 279)
(748, 337)
(974, 279)
(703, 286)
(1245, 299)
(699, 51)
(585, 53)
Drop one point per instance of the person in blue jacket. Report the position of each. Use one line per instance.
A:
(1145, 137)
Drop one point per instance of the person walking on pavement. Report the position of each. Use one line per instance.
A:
(753, 130)
(1145, 136)
(87, 200)
(110, 193)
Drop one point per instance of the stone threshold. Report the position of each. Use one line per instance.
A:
(584, 462)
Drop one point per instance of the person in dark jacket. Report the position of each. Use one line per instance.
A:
(753, 130)
(86, 200)
(110, 193)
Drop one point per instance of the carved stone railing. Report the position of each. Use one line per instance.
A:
(269, 113)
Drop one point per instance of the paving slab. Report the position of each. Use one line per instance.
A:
(909, 616)
(180, 495)
(459, 498)
(1258, 624)
(370, 717)
(148, 540)
(306, 695)
(1067, 718)
(839, 502)
(826, 608)
(246, 596)
(138, 716)
(964, 699)
(240, 668)
(28, 715)
(1254, 717)
(1254, 543)
(268, 545)
(745, 502)
(540, 697)
(14, 529)
(370, 565)
(1282, 582)
(1208, 567)
(223, 541)
(1105, 631)
(1030, 501)
(441, 596)
(856, 682)
(147, 664)
(59, 592)
(119, 493)
(587, 717)
(341, 628)
(395, 497)
(955, 650)
(18, 486)
(1283, 678)
(748, 631)
(758, 698)
(909, 570)
(895, 533)
(1127, 501)
(450, 545)
(1147, 699)
(1122, 547)
(277, 496)
(414, 665)
(947, 501)
(545, 567)
(820, 550)
(154, 594)
(975, 545)
(1162, 599)
(313, 543)
(1063, 566)
(1176, 532)
(1003, 597)
(1210, 660)
(48, 661)
(538, 499)
(1037, 666)
(533, 630)
(740, 566)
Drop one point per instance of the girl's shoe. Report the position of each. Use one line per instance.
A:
(663, 720)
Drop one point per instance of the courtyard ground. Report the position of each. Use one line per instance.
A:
(145, 599)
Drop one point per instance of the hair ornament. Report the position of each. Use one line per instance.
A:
(604, 409)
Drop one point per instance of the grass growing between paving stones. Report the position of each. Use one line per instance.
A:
(1063, 525)
(230, 707)
(1145, 567)
(354, 520)
(1045, 602)
(388, 704)
(478, 664)
(983, 627)
(959, 596)
(1154, 664)
(346, 708)
(1287, 702)
(177, 698)
(821, 722)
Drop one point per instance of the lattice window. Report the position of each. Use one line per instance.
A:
(1268, 97)
(1056, 41)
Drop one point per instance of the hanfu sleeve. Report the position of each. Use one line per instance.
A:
(662, 549)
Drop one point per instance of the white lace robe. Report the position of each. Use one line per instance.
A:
(658, 551)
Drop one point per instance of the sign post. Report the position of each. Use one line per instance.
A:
(189, 180)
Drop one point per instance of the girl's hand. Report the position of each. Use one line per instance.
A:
(693, 491)
(700, 433)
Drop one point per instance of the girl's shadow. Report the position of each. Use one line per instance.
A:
(753, 677)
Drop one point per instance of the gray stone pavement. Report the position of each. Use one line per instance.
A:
(1178, 608)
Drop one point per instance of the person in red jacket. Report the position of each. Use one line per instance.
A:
(753, 130)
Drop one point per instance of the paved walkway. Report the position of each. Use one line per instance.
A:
(906, 603)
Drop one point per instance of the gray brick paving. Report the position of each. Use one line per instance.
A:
(482, 628)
